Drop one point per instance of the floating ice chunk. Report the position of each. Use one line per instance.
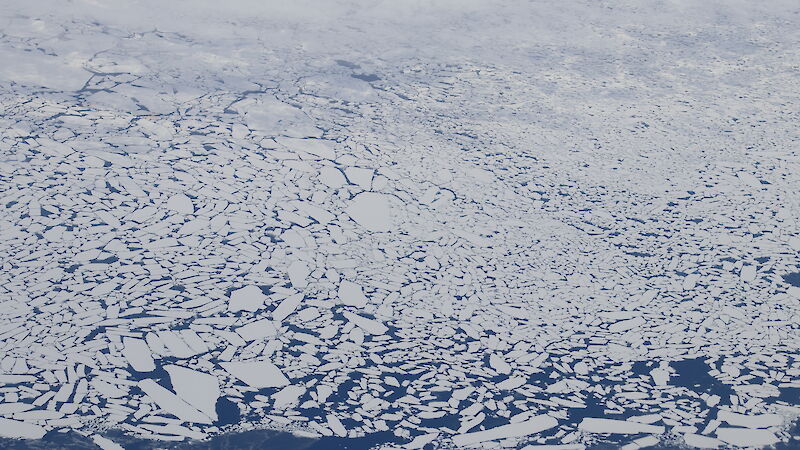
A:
(181, 204)
(259, 329)
(198, 389)
(336, 425)
(138, 354)
(315, 212)
(660, 376)
(371, 210)
(332, 177)
(176, 345)
(323, 392)
(555, 447)
(626, 325)
(286, 307)
(421, 441)
(10, 408)
(288, 396)
(107, 389)
(360, 176)
(270, 115)
(131, 186)
(105, 443)
(308, 314)
(690, 281)
(248, 298)
(370, 326)
(745, 437)
(318, 147)
(87, 255)
(519, 429)
(257, 374)
(54, 234)
(748, 273)
(646, 418)
(13, 379)
(20, 430)
(644, 442)
(598, 425)
(293, 238)
(499, 364)
(753, 421)
(352, 294)
(298, 272)
(103, 288)
(193, 226)
(172, 403)
(511, 383)
(700, 441)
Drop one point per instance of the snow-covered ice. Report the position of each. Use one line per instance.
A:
(487, 224)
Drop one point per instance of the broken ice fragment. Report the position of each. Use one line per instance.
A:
(288, 396)
(248, 298)
(750, 421)
(351, 294)
(371, 211)
(360, 176)
(318, 147)
(286, 307)
(511, 383)
(555, 447)
(257, 374)
(499, 364)
(626, 325)
(700, 441)
(138, 354)
(259, 329)
(198, 389)
(421, 441)
(370, 326)
(599, 425)
(298, 272)
(748, 273)
(336, 425)
(20, 430)
(171, 403)
(181, 204)
(660, 376)
(519, 429)
(332, 177)
(745, 437)
(105, 443)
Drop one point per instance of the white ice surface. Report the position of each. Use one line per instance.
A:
(138, 354)
(534, 425)
(198, 389)
(257, 374)
(171, 403)
(371, 210)
(349, 220)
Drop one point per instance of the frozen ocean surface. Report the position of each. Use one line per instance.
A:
(410, 224)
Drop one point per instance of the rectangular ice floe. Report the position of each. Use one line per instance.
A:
(172, 403)
(599, 425)
(519, 429)
(257, 374)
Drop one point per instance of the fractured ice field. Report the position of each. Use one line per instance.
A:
(412, 224)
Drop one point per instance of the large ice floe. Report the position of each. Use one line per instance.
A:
(415, 224)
